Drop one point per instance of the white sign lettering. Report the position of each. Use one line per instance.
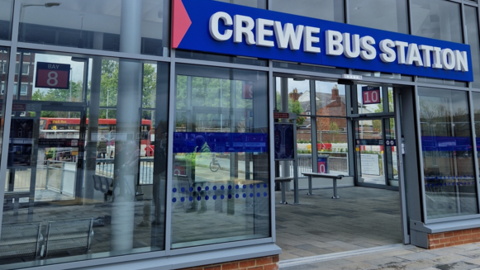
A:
(351, 45)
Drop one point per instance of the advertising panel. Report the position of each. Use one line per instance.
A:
(284, 142)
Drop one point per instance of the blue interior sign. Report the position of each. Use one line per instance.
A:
(216, 27)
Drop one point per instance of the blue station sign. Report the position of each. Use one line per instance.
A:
(216, 27)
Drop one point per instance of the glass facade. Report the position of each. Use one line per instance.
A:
(97, 25)
(471, 20)
(85, 177)
(391, 15)
(221, 164)
(447, 152)
(437, 19)
(6, 19)
(5, 57)
(117, 145)
(330, 10)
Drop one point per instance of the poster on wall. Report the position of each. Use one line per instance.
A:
(284, 142)
(370, 164)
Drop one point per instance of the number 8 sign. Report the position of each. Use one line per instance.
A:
(51, 75)
(371, 95)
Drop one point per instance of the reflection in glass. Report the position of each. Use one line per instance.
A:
(4, 60)
(389, 15)
(332, 142)
(391, 105)
(476, 108)
(221, 169)
(298, 97)
(92, 25)
(390, 152)
(369, 151)
(437, 19)
(331, 10)
(6, 11)
(450, 187)
(330, 99)
(471, 21)
(249, 3)
(91, 173)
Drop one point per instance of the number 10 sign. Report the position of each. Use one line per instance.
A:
(51, 75)
(371, 94)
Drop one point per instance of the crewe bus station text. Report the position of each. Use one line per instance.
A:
(263, 32)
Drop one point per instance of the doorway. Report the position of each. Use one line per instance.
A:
(46, 151)
(376, 162)
(339, 131)
(374, 139)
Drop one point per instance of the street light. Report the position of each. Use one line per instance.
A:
(48, 5)
(23, 6)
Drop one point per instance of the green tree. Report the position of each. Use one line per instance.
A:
(74, 94)
(334, 129)
(294, 106)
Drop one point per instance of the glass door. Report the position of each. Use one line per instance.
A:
(375, 152)
(46, 151)
(391, 159)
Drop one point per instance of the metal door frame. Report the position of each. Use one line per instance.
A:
(64, 107)
(356, 180)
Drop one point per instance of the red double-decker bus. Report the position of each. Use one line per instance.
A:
(106, 127)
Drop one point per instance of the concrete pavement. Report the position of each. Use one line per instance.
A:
(393, 257)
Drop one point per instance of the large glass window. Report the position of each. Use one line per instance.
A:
(84, 178)
(450, 186)
(476, 108)
(437, 19)
(6, 8)
(221, 161)
(98, 25)
(389, 15)
(331, 131)
(250, 3)
(331, 10)
(4, 58)
(471, 21)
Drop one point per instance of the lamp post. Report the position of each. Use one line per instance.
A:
(23, 6)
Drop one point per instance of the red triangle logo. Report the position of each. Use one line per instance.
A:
(180, 23)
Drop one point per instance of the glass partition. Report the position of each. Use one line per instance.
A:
(6, 11)
(87, 160)
(450, 186)
(99, 25)
(250, 3)
(389, 15)
(4, 60)
(476, 108)
(437, 19)
(471, 21)
(221, 160)
(331, 10)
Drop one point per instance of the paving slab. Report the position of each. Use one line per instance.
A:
(362, 218)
